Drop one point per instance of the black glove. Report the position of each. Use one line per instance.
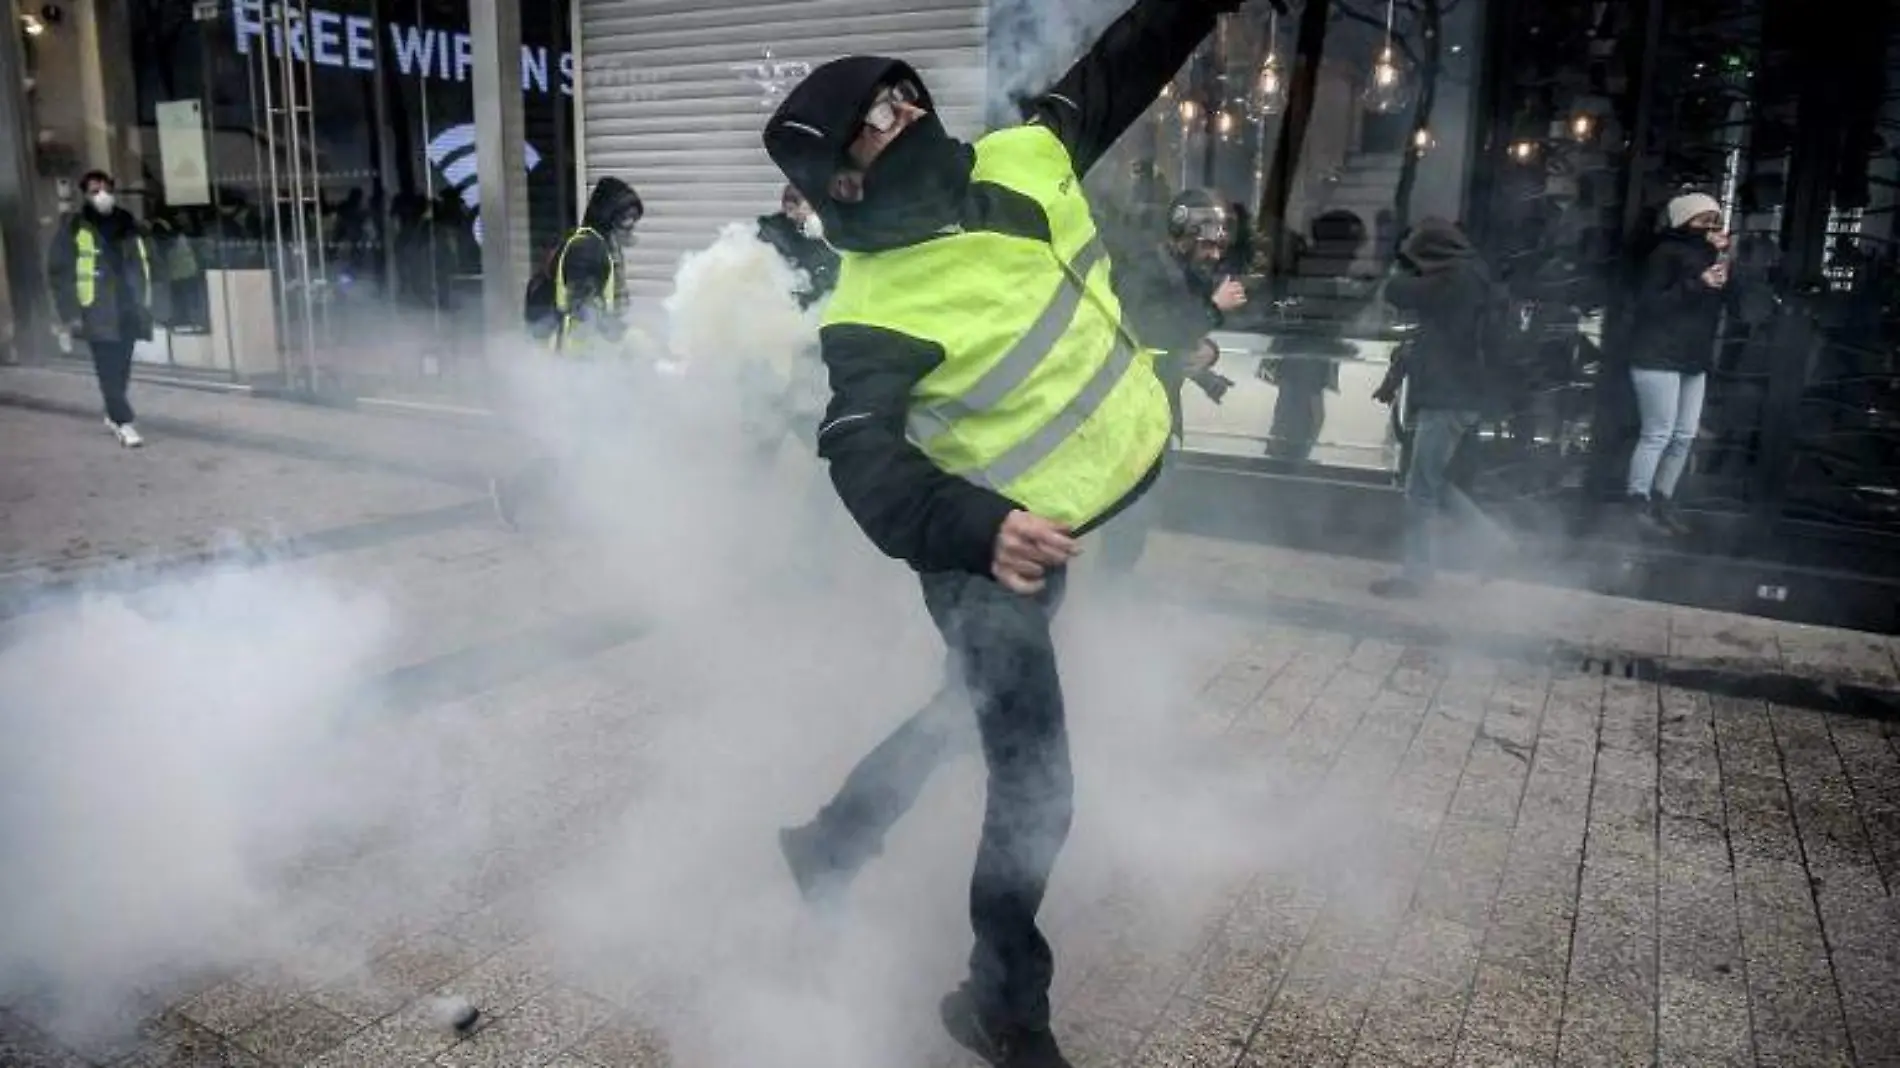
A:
(1214, 384)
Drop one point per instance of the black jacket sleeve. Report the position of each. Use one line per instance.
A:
(1110, 87)
(1672, 278)
(910, 509)
(61, 273)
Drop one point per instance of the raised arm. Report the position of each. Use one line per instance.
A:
(1110, 87)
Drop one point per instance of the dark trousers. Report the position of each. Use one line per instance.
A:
(1001, 662)
(112, 361)
(1437, 434)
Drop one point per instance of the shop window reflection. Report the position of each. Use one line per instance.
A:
(1315, 340)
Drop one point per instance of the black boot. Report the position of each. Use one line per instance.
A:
(999, 1045)
(821, 880)
(1643, 511)
(1665, 513)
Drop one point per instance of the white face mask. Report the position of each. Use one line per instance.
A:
(813, 227)
(103, 202)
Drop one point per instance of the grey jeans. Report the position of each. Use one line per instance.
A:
(1671, 407)
(1428, 489)
(1002, 664)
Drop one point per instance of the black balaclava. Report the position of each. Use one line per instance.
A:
(913, 190)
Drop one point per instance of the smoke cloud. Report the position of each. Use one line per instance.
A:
(201, 779)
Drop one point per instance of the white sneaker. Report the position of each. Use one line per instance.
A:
(129, 436)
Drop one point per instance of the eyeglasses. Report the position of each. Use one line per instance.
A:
(882, 115)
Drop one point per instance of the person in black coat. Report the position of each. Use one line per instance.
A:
(100, 270)
(1173, 294)
(1678, 309)
(1442, 282)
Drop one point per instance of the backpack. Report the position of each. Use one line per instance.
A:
(538, 311)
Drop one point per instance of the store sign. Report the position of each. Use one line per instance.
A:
(181, 150)
(333, 39)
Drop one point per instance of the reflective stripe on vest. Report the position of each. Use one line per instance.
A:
(560, 272)
(86, 265)
(1041, 395)
(561, 338)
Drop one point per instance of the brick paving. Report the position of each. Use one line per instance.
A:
(1414, 855)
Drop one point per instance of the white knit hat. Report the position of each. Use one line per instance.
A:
(1689, 205)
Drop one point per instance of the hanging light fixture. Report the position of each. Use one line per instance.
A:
(1269, 85)
(1388, 91)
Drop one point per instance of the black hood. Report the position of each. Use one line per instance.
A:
(612, 199)
(1437, 244)
(913, 190)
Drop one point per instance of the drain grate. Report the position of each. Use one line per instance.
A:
(1618, 667)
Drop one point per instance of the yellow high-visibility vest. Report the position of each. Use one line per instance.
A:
(1043, 395)
(609, 297)
(86, 265)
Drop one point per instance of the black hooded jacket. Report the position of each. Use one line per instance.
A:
(1170, 307)
(592, 260)
(1677, 313)
(122, 300)
(919, 186)
(1443, 283)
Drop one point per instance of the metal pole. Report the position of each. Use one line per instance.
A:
(495, 26)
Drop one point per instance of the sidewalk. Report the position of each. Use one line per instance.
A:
(1360, 835)
(1252, 580)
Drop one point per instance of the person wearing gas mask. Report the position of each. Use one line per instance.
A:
(990, 408)
(575, 301)
(574, 304)
(100, 268)
(1174, 293)
(798, 234)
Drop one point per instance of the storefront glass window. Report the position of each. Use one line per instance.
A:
(308, 170)
(1324, 131)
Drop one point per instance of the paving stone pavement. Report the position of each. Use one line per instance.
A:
(1515, 864)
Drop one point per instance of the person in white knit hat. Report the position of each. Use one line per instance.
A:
(1671, 351)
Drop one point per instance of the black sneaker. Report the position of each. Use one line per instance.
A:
(1643, 512)
(1398, 588)
(1663, 510)
(1004, 1047)
(821, 882)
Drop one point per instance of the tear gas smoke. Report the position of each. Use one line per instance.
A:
(194, 780)
(1032, 42)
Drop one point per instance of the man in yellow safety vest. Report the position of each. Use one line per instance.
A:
(100, 271)
(575, 305)
(989, 409)
(574, 301)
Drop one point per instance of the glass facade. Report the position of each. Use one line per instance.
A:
(1554, 132)
(309, 170)
(1326, 130)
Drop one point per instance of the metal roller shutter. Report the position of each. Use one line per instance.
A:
(671, 98)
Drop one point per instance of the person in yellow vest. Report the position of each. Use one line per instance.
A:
(989, 409)
(100, 270)
(576, 304)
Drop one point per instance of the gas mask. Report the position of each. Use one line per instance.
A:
(103, 201)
